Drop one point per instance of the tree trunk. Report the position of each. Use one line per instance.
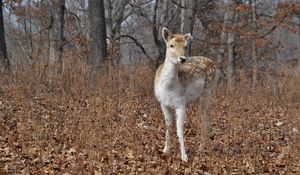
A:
(183, 13)
(157, 25)
(188, 17)
(120, 6)
(298, 43)
(223, 37)
(231, 60)
(113, 25)
(98, 44)
(56, 39)
(4, 61)
(232, 19)
(114, 22)
(254, 49)
(109, 18)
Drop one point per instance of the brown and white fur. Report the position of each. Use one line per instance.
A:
(179, 81)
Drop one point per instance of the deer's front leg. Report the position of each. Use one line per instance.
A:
(169, 121)
(181, 114)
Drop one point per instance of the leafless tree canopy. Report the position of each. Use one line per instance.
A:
(129, 32)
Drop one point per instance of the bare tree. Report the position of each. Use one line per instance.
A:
(188, 12)
(4, 61)
(254, 50)
(232, 19)
(223, 37)
(298, 43)
(157, 25)
(56, 38)
(98, 43)
(115, 17)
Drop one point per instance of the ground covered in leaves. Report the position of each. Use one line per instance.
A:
(121, 131)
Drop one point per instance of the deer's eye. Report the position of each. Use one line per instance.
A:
(171, 45)
(185, 47)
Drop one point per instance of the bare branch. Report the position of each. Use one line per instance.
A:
(73, 14)
(136, 42)
(272, 29)
(178, 4)
(285, 21)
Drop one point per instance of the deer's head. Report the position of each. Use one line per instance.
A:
(177, 46)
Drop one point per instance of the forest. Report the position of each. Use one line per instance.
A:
(77, 86)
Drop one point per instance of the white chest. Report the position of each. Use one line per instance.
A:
(169, 93)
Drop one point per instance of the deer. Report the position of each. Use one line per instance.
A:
(179, 81)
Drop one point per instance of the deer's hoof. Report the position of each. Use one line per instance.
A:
(211, 135)
(167, 150)
(184, 158)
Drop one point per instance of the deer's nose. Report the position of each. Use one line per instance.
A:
(182, 59)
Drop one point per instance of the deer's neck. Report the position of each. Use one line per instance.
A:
(170, 71)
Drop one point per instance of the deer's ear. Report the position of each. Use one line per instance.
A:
(188, 37)
(166, 34)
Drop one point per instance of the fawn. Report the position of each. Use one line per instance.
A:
(181, 80)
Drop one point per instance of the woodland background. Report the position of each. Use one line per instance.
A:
(77, 86)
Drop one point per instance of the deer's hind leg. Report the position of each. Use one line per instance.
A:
(206, 105)
(207, 113)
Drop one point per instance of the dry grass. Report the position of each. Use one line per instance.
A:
(117, 127)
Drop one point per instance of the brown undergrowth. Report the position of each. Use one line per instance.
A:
(117, 127)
